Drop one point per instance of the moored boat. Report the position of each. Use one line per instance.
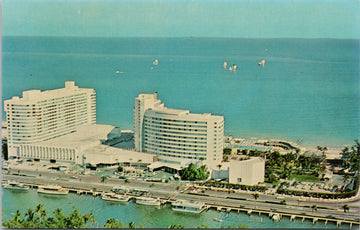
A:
(16, 186)
(188, 206)
(53, 189)
(115, 197)
(218, 219)
(148, 201)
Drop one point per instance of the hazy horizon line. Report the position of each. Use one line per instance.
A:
(181, 37)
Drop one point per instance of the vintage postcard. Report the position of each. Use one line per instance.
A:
(180, 114)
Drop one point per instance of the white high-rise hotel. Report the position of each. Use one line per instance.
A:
(175, 135)
(40, 116)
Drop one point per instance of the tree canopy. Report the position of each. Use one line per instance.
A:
(38, 218)
(193, 173)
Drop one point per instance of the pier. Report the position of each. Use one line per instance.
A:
(278, 215)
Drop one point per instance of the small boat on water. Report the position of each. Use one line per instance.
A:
(188, 206)
(218, 219)
(16, 186)
(53, 190)
(225, 65)
(262, 63)
(115, 197)
(148, 201)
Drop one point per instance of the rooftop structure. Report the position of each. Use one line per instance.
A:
(177, 135)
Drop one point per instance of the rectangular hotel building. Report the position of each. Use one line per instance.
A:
(45, 115)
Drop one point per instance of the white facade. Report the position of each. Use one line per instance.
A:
(40, 116)
(83, 146)
(249, 172)
(177, 135)
(142, 103)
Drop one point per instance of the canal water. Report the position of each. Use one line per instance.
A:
(147, 216)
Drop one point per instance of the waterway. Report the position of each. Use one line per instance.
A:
(147, 216)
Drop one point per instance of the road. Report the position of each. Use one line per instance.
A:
(171, 191)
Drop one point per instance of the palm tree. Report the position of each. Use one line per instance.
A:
(90, 217)
(30, 214)
(346, 208)
(39, 208)
(132, 225)
(323, 150)
(113, 223)
(314, 207)
(103, 179)
(174, 226)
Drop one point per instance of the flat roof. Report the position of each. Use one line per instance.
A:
(85, 135)
(35, 95)
(107, 154)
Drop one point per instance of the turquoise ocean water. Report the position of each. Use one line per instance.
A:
(148, 216)
(309, 88)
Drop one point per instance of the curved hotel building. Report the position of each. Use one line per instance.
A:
(177, 135)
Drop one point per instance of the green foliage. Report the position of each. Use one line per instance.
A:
(192, 173)
(352, 156)
(227, 151)
(291, 165)
(236, 226)
(317, 194)
(174, 226)
(113, 223)
(120, 169)
(103, 179)
(309, 178)
(38, 219)
(220, 184)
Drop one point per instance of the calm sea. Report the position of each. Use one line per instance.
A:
(307, 89)
(149, 217)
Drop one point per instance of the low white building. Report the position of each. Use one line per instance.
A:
(249, 172)
(84, 146)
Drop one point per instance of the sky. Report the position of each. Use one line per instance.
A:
(183, 18)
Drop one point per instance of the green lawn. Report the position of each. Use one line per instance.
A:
(308, 178)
